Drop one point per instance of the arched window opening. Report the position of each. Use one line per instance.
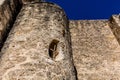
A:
(53, 48)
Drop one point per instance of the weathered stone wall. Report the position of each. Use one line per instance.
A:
(8, 12)
(41, 47)
(115, 26)
(96, 51)
(30, 1)
(38, 46)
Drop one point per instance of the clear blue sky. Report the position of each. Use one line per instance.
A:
(89, 9)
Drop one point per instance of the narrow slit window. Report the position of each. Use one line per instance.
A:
(53, 48)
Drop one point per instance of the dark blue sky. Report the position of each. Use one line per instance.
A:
(89, 9)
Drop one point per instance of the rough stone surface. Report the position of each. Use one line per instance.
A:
(27, 52)
(115, 26)
(41, 46)
(1, 1)
(30, 1)
(96, 51)
(8, 12)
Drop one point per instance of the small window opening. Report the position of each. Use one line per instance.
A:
(63, 32)
(53, 48)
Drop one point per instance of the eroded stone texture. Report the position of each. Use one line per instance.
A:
(115, 26)
(38, 46)
(8, 12)
(96, 52)
(30, 1)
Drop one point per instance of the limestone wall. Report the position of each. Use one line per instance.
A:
(38, 46)
(30, 1)
(8, 12)
(115, 26)
(96, 50)
(44, 45)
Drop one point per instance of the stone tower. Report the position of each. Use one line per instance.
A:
(39, 46)
(38, 42)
